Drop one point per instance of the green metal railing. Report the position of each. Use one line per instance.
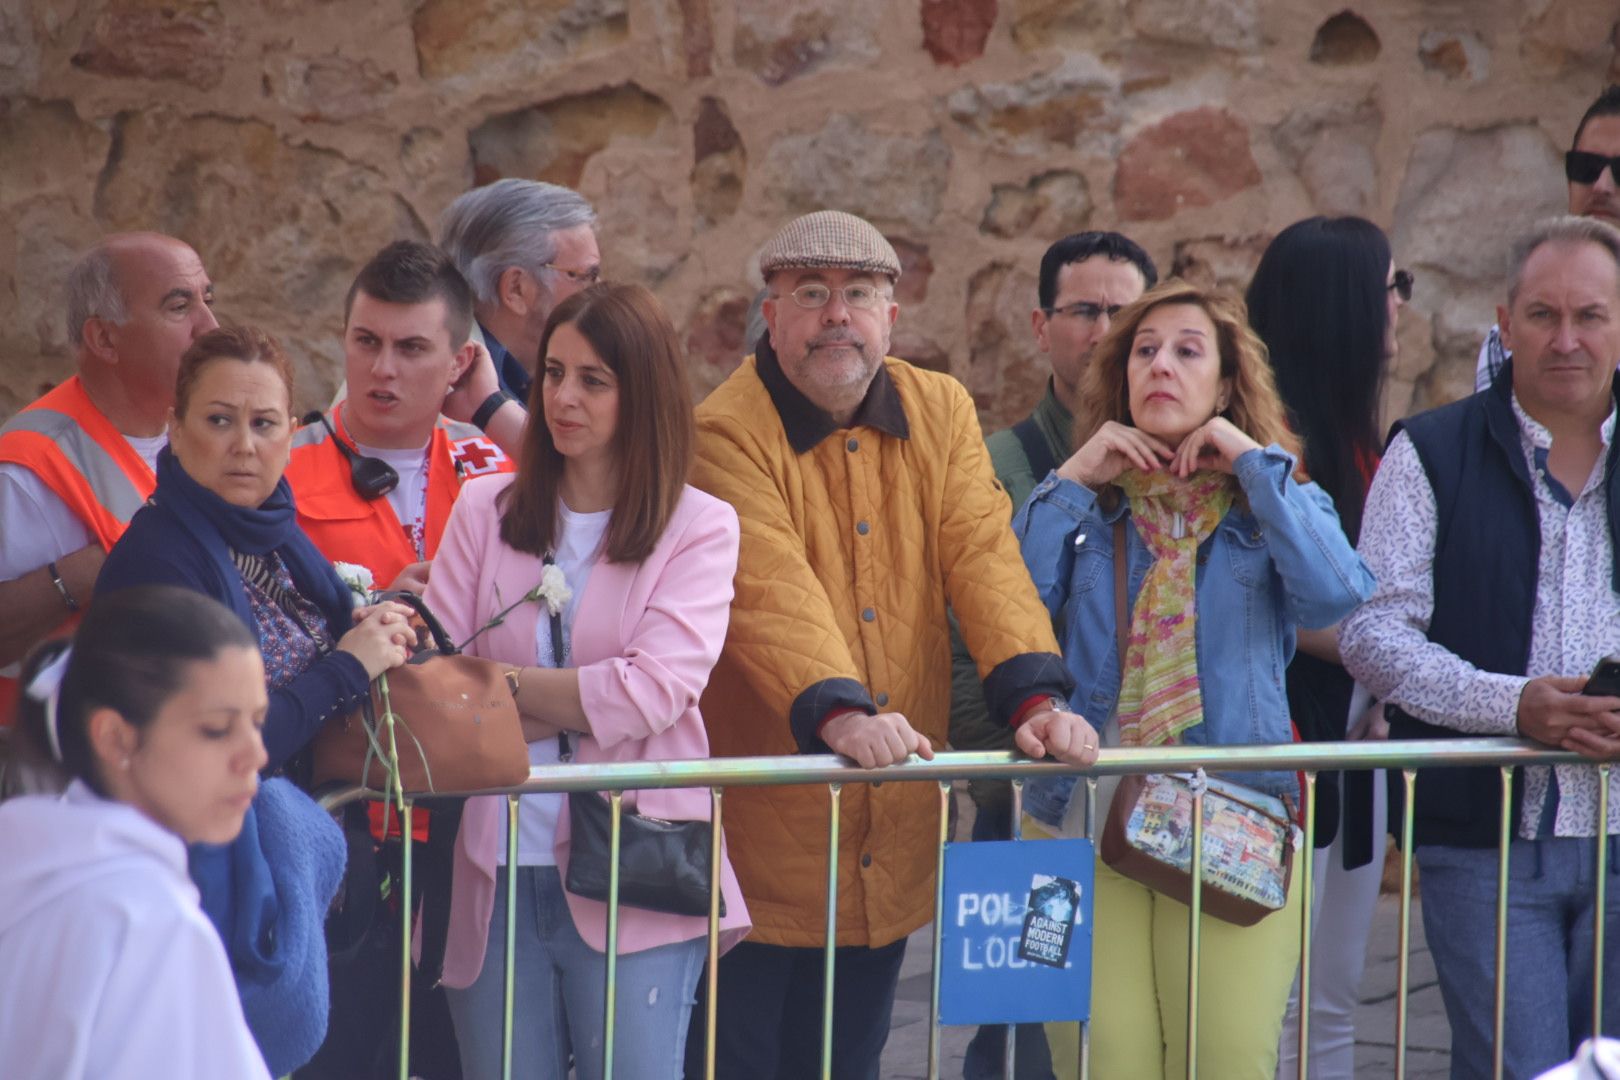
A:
(836, 773)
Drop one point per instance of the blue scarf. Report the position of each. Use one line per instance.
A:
(271, 527)
(266, 892)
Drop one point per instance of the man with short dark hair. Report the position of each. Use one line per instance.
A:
(1491, 528)
(1084, 280)
(76, 464)
(866, 498)
(524, 247)
(1594, 191)
(406, 321)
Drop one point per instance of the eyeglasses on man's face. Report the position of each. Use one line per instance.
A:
(1402, 285)
(1584, 167)
(1085, 310)
(862, 295)
(578, 277)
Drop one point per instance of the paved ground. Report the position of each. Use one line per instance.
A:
(1428, 1034)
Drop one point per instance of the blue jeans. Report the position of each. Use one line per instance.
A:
(558, 995)
(1549, 949)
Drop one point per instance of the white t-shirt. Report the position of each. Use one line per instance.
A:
(36, 526)
(409, 497)
(578, 548)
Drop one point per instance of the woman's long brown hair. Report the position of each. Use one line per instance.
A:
(652, 442)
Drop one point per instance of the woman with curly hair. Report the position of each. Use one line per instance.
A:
(1185, 458)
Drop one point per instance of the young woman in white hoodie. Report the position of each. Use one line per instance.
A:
(151, 717)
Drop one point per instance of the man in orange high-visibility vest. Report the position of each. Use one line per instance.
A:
(76, 464)
(405, 344)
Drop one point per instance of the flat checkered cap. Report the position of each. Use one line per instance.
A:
(829, 239)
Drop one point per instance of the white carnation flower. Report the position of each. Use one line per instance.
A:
(358, 578)
(553, 588)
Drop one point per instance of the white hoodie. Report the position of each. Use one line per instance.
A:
(108, 967)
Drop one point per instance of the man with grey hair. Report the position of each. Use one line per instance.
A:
(1491, 528)
(866, 498)
(77, 463)
(524, 247)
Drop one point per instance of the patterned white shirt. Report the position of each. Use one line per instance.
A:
(1576, 620)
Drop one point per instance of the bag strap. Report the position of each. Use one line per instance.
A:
(1036, 449)
(556, 622)
(442, 645)
(1122, 617)
(564, 746)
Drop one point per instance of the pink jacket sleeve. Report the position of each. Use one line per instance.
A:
(674, 623)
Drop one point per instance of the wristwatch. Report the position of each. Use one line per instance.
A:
(514, 677)
(490, 406)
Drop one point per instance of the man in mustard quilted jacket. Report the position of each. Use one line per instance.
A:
(867, 503)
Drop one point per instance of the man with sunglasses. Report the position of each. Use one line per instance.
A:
(866, 499)
(524, 247)
(1594, 191)
(1084, 281)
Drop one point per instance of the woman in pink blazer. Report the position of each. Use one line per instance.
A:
(637, 570)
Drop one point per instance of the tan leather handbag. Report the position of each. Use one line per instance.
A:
(456, 727)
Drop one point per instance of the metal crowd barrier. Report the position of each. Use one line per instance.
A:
(836, 772)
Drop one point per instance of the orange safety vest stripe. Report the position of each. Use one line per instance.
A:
(68, 443)
(348, 528)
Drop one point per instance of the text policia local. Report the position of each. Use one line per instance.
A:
(991, 909)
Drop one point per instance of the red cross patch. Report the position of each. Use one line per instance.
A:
(476, 456)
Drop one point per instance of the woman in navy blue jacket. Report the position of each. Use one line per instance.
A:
(222, 522)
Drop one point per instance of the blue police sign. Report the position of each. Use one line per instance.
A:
(1016, 944)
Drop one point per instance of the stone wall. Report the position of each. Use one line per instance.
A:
(288, 139)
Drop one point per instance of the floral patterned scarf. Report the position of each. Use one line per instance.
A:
(1159, 695)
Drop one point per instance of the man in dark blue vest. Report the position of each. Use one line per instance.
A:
(1491, 527)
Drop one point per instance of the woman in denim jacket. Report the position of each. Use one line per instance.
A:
(1229, 550)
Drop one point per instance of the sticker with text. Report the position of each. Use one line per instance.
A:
(1049, 920)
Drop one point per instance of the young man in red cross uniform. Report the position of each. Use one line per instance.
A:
(405, 344)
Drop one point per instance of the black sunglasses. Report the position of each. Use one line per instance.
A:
(1584, 167)
(1402, 285)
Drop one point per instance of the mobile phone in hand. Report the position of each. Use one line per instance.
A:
(1605, 679)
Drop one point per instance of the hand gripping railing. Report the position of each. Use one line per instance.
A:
(836, 773)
